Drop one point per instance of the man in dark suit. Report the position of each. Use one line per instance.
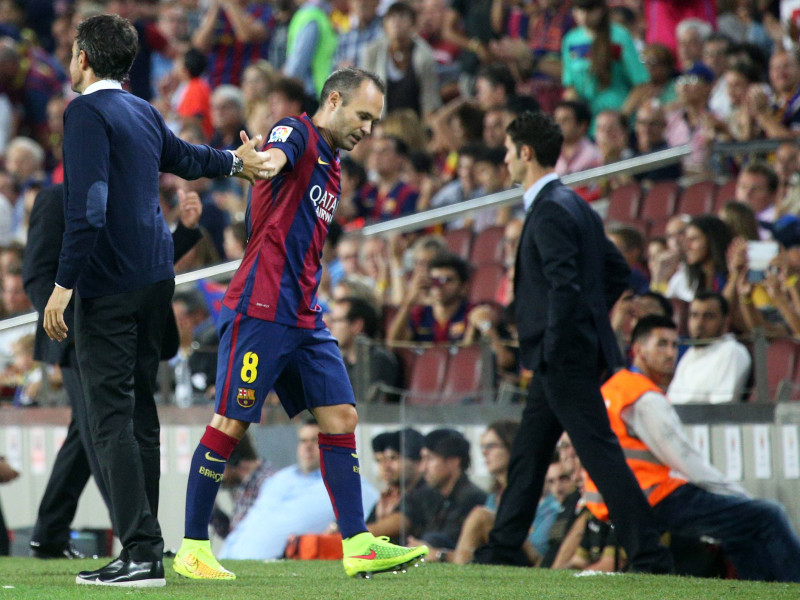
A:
(76, 460)
(118, 252)
(567, 277)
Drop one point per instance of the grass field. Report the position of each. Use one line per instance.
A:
(25, 578)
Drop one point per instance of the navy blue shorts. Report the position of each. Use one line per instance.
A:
(303, 366)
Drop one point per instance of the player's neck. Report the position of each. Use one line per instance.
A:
(320, 123)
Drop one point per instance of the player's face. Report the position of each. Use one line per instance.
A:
(353, 121)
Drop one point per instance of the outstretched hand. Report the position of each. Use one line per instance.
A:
(257, 165)
(191, 208)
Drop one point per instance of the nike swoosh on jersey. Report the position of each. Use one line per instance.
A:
(211, 458)
(322, 162)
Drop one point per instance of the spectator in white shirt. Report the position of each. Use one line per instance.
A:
(716, 368)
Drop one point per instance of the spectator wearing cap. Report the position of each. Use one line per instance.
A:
(716, 367)
(350, 318)
(405, 62)
(781, 284)
(397, 454)
(692, 122)
(780, 117)
(599, 59)
(436, 514)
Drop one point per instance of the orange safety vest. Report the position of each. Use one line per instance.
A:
(654, 477)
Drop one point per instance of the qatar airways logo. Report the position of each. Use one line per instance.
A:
(325, 203)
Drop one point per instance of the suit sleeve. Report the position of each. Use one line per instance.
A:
(191, 161)
(86, 166)
(616, 278)
(557, 241)
(45, 228)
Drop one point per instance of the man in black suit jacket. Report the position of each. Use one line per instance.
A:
(76, 460)
(567, 277)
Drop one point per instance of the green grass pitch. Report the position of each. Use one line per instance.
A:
(26, 578)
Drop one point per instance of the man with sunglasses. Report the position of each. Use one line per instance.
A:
(443, 318)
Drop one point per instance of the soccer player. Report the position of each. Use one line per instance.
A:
(271, 331)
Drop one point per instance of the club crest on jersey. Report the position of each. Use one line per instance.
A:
(325, 203)
(246, 397)
(280, 134)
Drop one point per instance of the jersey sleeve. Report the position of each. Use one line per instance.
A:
(289, 135)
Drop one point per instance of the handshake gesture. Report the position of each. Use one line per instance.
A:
(257, 165)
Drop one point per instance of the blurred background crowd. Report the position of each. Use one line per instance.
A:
(713, 240)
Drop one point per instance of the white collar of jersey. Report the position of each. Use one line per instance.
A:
(103, 84)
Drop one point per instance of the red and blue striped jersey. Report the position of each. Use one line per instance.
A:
(287, 223)
(229, 57)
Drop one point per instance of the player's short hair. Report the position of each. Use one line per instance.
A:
(110, 43)
(539, 131)
(450, 260)
(449, 443)
(646, 325)
(706, 295)
(346, 81)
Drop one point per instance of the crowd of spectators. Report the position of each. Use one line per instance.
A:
(457, 73)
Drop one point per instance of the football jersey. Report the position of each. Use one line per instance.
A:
(287, 223)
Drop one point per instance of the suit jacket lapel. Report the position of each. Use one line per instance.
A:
(536, 202)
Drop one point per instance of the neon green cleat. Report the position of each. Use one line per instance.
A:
(365, 554)
(196, 561)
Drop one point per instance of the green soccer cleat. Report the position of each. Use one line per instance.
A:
(365, 554)
(196, 561)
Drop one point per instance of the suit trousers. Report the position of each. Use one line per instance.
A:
(75, 462)
(118, 339)
(569, 399)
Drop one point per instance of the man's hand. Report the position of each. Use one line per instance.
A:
(54, 324)
(257, 165)
(191, 208)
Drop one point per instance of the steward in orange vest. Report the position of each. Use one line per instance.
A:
(655, 478)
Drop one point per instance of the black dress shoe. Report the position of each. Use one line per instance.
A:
(135, 574)
(47, 552)
(91, 577)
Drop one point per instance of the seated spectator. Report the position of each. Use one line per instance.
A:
(367, 28)
(390, 197)
(630, 308)
(660, 63)
(600, 63)
(787, 167)
(406, 262)
(14, 302)
(778, 114)
(192, 100)
(706, 242)
(716, 367)
(354, 177)
(494, 86)
(756, 186)
(613, 140)
(350, 318)
(666, 262)
(346, 263)
(235, 240)
(397, 454)
(405, 62)
(691, 34)
(431, 15)
(274, 516)
(486, 321)
(442, 318)
(578, 152)
(495, 121)
(436, 513)
(511, 235)
(491, 175)
(227, 117)
(741, 220)
(23, 375)
(630, 242)
(286, 98)
(688, 495)
(257, 82)
(464, 186)
(649, 127)
(715, 57)
(692, 122)
(739, 77)
(195, 365)
(244, 475)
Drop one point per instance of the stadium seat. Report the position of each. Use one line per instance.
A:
(427, 378)
(659, 203)
(459, 241)
(782, 358)
(725, 193)
(485, 283)
(463, 381)
(623, 203)
(698, 198)
(487, 248)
